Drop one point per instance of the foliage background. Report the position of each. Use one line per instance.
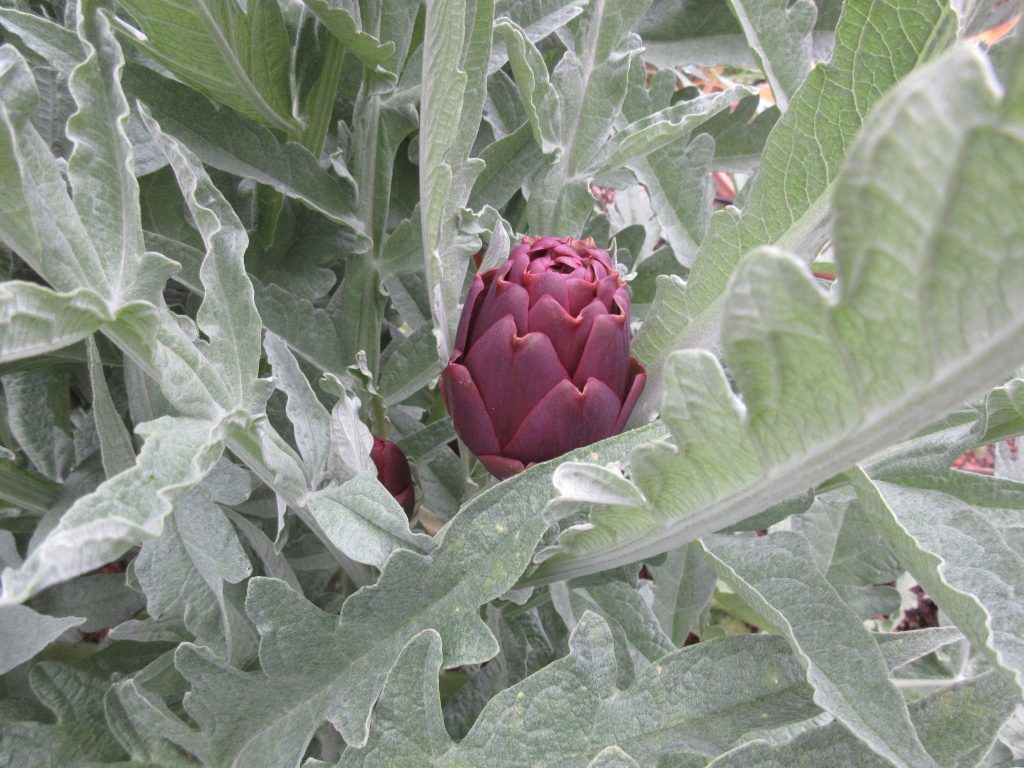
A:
(236, 237)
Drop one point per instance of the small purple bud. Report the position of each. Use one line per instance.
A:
(393, 472)
(541, 363)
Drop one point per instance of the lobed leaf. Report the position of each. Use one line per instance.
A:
(571, 711)
(817, 395)
(318, 667)
(960, 558)
(776, 577)
(787, 203)
(123, 511)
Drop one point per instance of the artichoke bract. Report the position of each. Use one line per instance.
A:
(393, 472)
(541, 362)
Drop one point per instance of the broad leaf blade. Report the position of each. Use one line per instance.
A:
(817, 396)
(228, 313)
(317, 666)
(35, 320)
(787, 203)
(237, 58)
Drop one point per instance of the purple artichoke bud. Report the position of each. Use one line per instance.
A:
(541, 363)
(393, 472)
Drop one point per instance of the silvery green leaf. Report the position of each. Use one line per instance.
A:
(274, 563)
(740, 135)
(678, 176)
(59, 46)
(24, 633)
(41, 223)
(35, 320)
(339, 22)
(103, 600)
(787, 203)
(511, 162)
(958, 725)
(591, 84)
(332, 668)
(309, 330)
(364, 521)
(1004, 407)
(359, 312)
(779, 36)
(9, 550)
(613, 757)
(682, 588)
(183, 571)
(410, 697)
(411, 366)
(40, 432)
(350, 439)
(857, 561)
(628, 613)
(531, 73)
(228, 313)
(901, 648)
(775, 576)
(143, 748)
(236, 57)
(571, 710)
(101, 167)
(122, 512)
(54, 108)
(700, 32)
(649, 134)
(78, 737)
(402, 271)
(787, 343)
(536, 18)
(116, 447)
(960, 558)
(310, 420)
(456, 47)
(234, 144)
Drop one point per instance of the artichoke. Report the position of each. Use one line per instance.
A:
(393, 472)
(541, 362)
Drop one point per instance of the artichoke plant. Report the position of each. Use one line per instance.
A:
(541, 363)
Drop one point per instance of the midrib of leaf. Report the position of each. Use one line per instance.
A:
(901, 417)
(268, 112)
(565, 163)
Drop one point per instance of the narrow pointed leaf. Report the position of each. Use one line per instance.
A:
(116, 448)
(24, 633)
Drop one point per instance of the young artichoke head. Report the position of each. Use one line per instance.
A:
(541, 362)
(394, 473)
